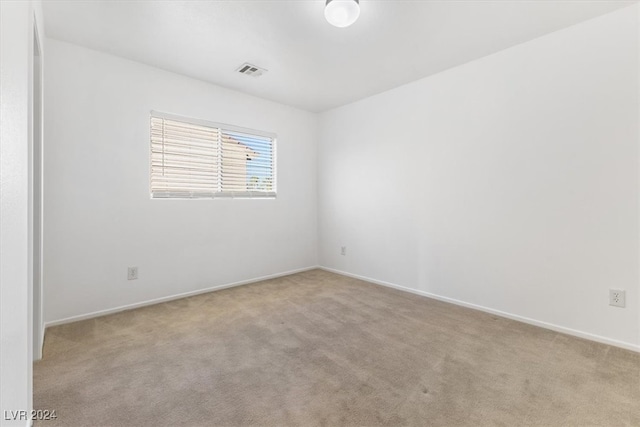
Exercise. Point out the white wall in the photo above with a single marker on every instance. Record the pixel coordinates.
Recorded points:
(509, 183)
(99, 218)
(17, 22)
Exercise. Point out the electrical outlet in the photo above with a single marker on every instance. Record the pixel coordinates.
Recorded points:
(617, 297)
(343, 250)
(132, 273)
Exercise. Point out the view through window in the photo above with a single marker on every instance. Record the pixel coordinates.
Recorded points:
(198, 159)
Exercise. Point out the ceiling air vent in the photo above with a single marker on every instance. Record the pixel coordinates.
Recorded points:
(251, 70)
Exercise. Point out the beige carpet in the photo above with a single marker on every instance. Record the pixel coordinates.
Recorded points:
(318, 349)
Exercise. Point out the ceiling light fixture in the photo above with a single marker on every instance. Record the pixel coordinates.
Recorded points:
(342, 13)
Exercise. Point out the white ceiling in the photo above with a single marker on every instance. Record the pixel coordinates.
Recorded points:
(311, 64)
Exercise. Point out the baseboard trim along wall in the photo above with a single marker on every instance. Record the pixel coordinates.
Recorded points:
(171, 298)
(551, 326)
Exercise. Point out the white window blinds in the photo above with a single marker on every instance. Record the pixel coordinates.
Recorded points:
(192, 159)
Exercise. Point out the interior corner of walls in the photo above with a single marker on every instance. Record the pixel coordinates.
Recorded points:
(39, 26)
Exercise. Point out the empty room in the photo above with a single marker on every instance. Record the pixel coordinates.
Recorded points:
(319, 213)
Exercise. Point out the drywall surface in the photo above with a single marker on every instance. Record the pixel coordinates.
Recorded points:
(99, 218)
(509, 183)
(16, 349)
(17, 23)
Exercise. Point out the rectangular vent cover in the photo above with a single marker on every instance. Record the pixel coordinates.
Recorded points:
(251, 70)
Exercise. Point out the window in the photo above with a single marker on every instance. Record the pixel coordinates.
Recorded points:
(197, 159)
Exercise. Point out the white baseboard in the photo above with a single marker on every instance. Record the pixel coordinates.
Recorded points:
(551, 326)
(170, 298)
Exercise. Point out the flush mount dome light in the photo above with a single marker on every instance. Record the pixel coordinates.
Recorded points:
(342, 13)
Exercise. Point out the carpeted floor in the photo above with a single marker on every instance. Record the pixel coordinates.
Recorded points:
(319, 349)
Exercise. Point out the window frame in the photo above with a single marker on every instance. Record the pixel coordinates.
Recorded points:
(222, 127)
